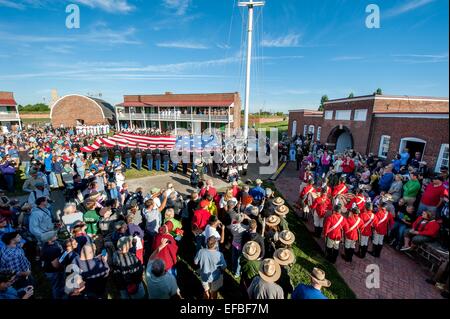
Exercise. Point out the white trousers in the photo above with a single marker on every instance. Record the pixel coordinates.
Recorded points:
(364, 241)
(350, 243)
(377, 239)
(318, 222)
(333, 243)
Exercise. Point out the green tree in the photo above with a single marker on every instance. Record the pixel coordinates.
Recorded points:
(322, 101)
(34, 108)
(351, 95)
(378, 92)
(279, 114)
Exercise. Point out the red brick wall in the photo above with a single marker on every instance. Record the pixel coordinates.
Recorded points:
(434, 131)
(34, 115)
(360, 130)
(410, 106)
(71, 108)
(303, 120)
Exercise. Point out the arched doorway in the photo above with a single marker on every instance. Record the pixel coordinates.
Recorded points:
(340, 139)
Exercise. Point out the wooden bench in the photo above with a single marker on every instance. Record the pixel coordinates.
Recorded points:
(434, 254)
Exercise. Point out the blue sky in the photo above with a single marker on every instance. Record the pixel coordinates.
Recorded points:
(303, 49)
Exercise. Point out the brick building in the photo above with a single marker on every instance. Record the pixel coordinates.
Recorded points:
(380, 124)
(9, 114)
(73, 110)
(192, 112)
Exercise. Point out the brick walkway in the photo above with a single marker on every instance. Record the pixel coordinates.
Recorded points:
(401, 277)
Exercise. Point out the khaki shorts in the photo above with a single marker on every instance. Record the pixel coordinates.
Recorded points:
(213, 286)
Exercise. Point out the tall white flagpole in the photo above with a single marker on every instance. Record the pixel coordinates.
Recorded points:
(250, 4)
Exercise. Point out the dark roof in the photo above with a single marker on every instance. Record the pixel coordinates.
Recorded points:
(107, 108)
(171, 99)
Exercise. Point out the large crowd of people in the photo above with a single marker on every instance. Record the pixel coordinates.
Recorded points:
(354, 200)
(136, 237)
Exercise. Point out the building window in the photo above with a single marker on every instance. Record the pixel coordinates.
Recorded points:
(311, 130)
(328, 115)
(360, 115)
(343, 115)
(294, 128)
(385, 142)
(305, 130)
(443, 158)
(319, 132)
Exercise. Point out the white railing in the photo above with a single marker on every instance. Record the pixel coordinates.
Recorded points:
(173, 117)
(9, 116)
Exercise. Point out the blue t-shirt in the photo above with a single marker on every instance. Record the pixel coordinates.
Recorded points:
(211, 263)
(404, 158)
(307, 292)
(9, 293)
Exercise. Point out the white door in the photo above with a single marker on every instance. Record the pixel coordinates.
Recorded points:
(294, 128)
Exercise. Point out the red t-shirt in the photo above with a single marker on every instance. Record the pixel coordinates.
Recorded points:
(432, 195)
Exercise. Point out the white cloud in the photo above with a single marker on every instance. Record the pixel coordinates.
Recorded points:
(61, 49)
(179, 6)
(407, 7)
(112, 6)
(223, 46)
(98, 33)
(287, 41)
(347, 58)
(421, 58)
(11, 4)
(182, 45)
(129, 70)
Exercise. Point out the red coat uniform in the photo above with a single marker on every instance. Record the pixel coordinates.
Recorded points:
(385, 222)
(369, 220)
(340, 189)
(352, 226)
(321, 205)
(360, 202)
(305, 191)
(430, 228)
(331, 230)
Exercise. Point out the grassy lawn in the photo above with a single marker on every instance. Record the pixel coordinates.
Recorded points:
(133, 173)
(309, 255)
(281, 126)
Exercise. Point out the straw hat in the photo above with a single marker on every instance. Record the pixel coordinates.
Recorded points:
(272, 220)
(282, 210)
(269, 270)
(278, 201)
(284, 256)
(387, 198)
(287, 237)
(251, 250)
(318, 276)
